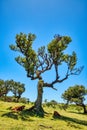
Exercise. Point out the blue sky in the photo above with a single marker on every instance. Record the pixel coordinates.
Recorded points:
(45, 18)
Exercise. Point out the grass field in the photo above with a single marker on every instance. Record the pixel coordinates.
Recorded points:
(69, 120)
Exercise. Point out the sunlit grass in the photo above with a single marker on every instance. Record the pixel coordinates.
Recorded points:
(69, 120)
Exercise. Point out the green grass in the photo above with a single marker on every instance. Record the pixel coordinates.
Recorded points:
(69, 120)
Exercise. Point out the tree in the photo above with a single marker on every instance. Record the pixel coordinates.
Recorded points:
(76, 94)
(2, 92)
(4, 88)
(21, 89)
(52, 103)
(37, 63)
(7, 87)
(17, 88)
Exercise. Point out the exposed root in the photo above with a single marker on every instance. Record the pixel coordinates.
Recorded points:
(36, 111)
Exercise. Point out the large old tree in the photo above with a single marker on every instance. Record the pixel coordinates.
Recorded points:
(37, 63)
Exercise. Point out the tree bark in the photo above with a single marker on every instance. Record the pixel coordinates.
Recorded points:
(84, 107)
(38, 104)
(37, 108)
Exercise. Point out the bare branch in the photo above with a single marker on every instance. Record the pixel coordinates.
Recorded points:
(56, 70)
(57, 80)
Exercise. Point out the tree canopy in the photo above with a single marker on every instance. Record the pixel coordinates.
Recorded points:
(16, 88)
(36, 63)
(76, 94)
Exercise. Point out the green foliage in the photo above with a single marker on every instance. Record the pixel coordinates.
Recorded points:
(1, 87)
(71, 60)
(24, 100)
(52, 104)
(24, 45)
(44, 60)
(17, 89)
(75, 94)
(58, 44)
(56, 48)
(9, 85)
(5, 87)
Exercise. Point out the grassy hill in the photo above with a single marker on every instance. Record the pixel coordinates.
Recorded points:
(69, 120)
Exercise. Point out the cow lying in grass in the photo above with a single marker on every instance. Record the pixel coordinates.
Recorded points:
(18, 108)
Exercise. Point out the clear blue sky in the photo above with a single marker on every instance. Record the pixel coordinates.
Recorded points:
(44, 18)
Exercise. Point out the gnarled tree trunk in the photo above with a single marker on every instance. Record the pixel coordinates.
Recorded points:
(38, 103)
(37, 108)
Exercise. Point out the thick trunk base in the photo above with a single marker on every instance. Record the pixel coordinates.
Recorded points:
(37, 108)
(84, 108)
(85, 112)
(34, 111)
